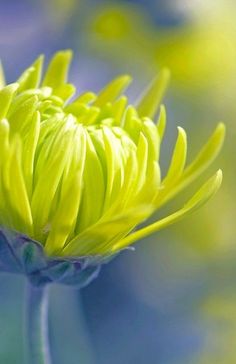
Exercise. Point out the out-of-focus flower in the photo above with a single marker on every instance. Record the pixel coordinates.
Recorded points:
(192, 50)
(78, 177)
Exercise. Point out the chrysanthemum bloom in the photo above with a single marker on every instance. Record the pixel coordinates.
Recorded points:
(77, 178)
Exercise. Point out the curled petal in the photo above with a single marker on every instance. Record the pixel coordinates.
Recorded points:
(200, 198)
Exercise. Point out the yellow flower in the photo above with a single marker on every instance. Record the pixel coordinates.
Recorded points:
(79, 176)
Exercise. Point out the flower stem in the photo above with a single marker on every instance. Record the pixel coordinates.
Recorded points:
(37, 325)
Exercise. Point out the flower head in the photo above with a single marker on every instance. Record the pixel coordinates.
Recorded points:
(79, 176)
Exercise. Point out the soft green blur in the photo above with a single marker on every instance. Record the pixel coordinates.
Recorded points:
(200, 53)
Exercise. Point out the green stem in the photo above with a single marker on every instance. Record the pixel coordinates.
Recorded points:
(38, 350)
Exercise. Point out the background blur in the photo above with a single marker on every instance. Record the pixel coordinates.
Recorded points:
(174, 300)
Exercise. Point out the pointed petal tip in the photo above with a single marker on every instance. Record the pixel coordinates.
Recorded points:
(208, 190)
(40, 58)
(219, 132)
(218, 177)
(150, 100)
(165, 73)
(65, 53)
(162, 109)
(221, 128)
(112, 90)
(181, 130)
(124, 79)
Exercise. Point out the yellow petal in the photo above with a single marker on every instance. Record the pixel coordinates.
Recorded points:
(201, 197)
(112, 90)
(150, 101)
